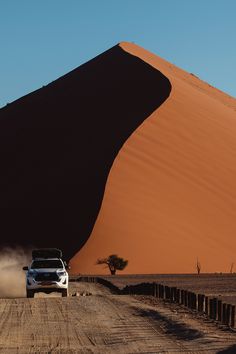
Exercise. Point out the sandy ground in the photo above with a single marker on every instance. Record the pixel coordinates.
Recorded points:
(213, 285)
(104, 323)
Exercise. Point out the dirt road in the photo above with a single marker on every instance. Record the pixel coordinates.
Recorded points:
(103, 323)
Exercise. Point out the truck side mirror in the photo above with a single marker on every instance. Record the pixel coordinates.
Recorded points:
(25, 268)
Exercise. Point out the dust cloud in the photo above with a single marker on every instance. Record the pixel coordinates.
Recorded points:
(12, 281)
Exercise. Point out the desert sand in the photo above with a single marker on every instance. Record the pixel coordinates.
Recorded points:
(170, 197)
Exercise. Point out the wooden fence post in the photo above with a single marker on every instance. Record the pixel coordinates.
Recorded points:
(232, 321)
(163, 292)
(188, 295)
(171, 294)
(215, 309)
(200, 302)
(224, 313)
(228, 313)
(178, 296)
(194, 301)
(189, 299)
(174, 294)
(157, 290)
(185, 298)
(160, 291)
(199, 297)
(154, 289)
(203, 302)
(167, 292)
(212, 309)
(219, 312)
(182, 297)
(206, 307)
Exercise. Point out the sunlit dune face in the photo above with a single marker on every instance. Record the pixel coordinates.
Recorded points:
(170, 198)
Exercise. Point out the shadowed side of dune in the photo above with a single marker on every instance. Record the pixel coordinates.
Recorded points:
(58, 144)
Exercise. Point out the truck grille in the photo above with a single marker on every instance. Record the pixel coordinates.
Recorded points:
(46, 277)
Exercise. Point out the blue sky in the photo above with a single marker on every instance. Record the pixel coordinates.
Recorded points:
(42, 40)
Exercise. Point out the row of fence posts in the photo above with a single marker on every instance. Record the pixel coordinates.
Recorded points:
(213, 308)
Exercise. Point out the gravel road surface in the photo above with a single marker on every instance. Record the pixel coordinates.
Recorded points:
(103, 323)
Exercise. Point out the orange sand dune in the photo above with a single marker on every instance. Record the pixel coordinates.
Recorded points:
(57, 146)
(171, 193)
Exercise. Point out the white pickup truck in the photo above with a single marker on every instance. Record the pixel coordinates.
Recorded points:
(47, 273)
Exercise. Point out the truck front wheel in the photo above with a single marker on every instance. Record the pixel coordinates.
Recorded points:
(30, 293)
(64, 292)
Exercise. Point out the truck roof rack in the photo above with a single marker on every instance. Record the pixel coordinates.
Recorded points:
(46, 253)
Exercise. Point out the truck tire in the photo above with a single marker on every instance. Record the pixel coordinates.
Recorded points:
(64, 292)
(30, 293)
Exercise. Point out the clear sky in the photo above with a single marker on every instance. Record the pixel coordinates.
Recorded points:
(44, 39)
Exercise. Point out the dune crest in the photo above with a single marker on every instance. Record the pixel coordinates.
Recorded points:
(171, 193)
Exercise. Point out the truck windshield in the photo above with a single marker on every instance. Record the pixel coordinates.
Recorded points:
(55, 263)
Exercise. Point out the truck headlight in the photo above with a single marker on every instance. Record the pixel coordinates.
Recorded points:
(32, 273)
(61, 274)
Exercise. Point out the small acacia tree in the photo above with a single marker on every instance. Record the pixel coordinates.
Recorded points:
(113, 262)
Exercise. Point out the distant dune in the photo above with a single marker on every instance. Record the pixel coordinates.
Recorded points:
(57, 146)
(171, 193)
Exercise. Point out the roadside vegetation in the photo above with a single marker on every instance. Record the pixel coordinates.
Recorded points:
(113, 262)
